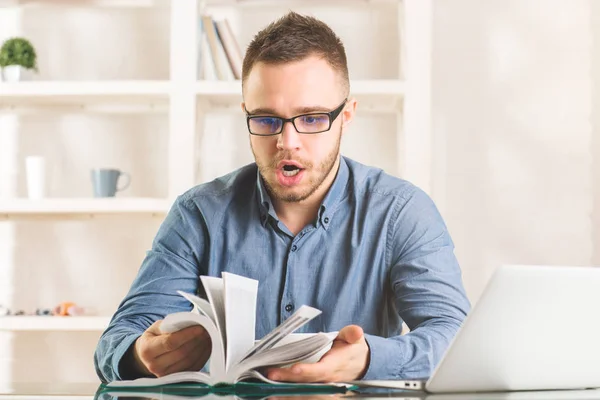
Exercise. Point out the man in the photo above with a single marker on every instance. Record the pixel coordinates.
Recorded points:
(311, 226)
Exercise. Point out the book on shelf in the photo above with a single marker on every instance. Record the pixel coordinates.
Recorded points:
(229, 317)
(219, 54)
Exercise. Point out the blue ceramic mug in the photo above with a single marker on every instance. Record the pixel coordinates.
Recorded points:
(105, 181)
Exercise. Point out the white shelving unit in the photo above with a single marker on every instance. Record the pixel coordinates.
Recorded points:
(399, 99)
(129, 97)
(22, 208)
(52, 323)
(379, 95)
(51, 92)
(375, 87)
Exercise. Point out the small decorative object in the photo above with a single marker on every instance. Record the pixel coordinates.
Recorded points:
(104, 181)
(15, 54)
(20, 312)
(35, 167)
(43, 311)
(4, 311)
(67, 308)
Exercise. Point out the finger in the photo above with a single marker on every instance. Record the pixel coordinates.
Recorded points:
(327, 369)
(156, 346)
(172, 341)
(322, 370)
(166, 360)
(154, 329)
(202, 358)
(190, 359)
(350, 334)
(317, 372)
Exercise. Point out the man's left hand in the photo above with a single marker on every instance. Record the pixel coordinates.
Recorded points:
(347, 360)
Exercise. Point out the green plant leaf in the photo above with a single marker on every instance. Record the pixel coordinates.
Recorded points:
(18, 51)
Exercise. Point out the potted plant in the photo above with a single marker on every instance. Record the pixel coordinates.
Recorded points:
(15, 54)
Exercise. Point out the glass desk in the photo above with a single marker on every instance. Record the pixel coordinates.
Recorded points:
(89, 391)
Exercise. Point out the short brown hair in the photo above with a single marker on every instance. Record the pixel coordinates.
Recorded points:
(294, 37)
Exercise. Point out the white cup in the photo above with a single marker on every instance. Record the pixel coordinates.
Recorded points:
(36, 177)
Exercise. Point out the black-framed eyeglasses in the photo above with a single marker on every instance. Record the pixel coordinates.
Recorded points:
(315, 122)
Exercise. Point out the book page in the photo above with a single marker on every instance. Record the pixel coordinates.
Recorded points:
(177, 377)
(216, 297)
(201, 305)
(295, 337)
(240, 316)
(283, 355)
(295, 321)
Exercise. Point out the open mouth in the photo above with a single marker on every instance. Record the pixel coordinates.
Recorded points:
(290, 170)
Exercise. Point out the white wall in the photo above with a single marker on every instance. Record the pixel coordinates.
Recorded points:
(512, 103)
(595, 145)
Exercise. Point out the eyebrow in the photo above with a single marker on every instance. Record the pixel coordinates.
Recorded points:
(297, 111)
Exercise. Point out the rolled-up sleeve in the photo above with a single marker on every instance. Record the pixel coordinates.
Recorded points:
(172, 264)
(426, 282)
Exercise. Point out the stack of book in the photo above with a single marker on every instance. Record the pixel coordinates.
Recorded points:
(219, 55)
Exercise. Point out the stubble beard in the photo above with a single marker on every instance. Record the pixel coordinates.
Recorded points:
(314, 183)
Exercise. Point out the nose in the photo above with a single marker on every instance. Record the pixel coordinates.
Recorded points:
(289, 138)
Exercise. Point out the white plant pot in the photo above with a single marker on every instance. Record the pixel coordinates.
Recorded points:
(12, 73)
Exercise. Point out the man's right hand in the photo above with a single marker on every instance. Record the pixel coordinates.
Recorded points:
(159, 354)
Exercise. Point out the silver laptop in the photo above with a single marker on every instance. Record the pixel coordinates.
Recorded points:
(534, 328)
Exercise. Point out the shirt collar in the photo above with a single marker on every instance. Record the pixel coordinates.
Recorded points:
(328, 206)
(266, 206)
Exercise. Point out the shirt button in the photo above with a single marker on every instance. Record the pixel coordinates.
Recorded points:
(294, 248)
(289, 307)
(326, 220)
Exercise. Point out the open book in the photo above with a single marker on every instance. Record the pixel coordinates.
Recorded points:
(229, 317)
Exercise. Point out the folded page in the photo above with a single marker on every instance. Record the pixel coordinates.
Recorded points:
(283, 355)
(201, 305)
(215, 292)
(177, 377)
(295, 337)
(295, 321)
(240, 316)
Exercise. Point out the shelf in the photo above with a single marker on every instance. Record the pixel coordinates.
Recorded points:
(114, 96)
(84, 94)
(82, 3)
(19, 208)
(376, 93)
(51, 323)
(288, 3)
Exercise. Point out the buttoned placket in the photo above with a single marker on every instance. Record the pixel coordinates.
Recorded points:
(288, 304)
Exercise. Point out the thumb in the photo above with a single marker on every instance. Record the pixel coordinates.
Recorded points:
(350, 334)
(154, 329)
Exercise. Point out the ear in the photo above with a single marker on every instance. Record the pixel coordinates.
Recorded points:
(243, 105)
(348, 112)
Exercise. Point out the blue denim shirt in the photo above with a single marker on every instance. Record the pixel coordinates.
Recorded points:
(378, 253)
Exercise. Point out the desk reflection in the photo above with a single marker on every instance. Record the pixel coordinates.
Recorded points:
(375, 394)
(90, 391)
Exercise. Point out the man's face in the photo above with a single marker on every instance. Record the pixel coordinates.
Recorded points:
(295, 165)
